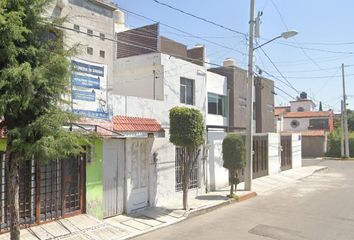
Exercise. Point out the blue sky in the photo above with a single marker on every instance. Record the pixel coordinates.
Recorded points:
(312, 62)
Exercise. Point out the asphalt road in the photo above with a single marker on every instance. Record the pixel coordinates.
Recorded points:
(319, 207)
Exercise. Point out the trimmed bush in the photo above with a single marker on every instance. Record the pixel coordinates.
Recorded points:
(186, 130)
(234, 156)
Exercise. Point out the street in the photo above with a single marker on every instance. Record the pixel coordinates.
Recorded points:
(318, 207)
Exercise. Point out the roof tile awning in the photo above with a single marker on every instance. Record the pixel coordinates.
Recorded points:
(136, 124)
(307, 114)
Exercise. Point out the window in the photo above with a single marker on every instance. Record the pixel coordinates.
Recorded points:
(319, 124)
(187, 91)
(181, 154)
(102, 36)
(77, 28)
(90, 32)
(90, 50)
(102, 54)
(294, 123)
(300, 109)
(217, 104)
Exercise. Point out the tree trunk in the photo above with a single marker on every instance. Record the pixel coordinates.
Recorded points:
(186, 173)
(236, 177)
(12, 168)
(231, 177)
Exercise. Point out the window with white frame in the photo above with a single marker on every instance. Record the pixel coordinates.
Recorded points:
(187, 91)
(217, 104)
(181, 157)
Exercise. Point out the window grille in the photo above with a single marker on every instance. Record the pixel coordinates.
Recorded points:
(181, 157)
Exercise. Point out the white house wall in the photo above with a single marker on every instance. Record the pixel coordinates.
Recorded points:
(304, 124)
(274, 159)
(306, 105)
(218, 176)
(296, 150)
(133, 84)
(139, 76)
(216, 84)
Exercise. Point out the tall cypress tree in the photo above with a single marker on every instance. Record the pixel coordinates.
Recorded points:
(34, 76)
(320, 107)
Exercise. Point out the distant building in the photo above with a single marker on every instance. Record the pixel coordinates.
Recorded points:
(301, 117)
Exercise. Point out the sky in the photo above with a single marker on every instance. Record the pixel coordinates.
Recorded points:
(310, 62)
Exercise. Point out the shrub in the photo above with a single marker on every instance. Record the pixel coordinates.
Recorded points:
(234, 156)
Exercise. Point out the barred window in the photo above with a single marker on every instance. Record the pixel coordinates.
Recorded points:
(181, 156)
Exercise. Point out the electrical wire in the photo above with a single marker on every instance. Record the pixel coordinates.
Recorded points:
(182, 31)
(200, 18)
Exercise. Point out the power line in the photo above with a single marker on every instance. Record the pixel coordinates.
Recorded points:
(182, 31)
(286, 80)
(200, 18)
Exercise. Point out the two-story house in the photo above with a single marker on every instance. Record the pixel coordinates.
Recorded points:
(301, 116)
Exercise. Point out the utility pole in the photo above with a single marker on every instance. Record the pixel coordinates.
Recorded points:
(342, 130)
(345, 117)
(249, 134)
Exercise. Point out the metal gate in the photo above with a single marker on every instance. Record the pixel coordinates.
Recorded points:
(286, 158)
(46, 191)
(113, 180)
(260, 157)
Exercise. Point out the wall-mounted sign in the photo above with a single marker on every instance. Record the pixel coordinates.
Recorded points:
(89, 89)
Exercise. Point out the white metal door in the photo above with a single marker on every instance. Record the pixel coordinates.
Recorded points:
(139, 174)
(113, 177)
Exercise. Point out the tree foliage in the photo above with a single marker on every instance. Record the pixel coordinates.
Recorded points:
(234, 156)
(34, 76)
(187, 130)
(186, 127)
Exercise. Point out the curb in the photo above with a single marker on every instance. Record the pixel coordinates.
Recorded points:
(322, 169)
(206, 209)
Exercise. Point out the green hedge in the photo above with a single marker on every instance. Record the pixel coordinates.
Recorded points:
(334, 145)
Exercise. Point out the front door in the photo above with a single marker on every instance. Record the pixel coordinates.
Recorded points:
(139, 174)
(113, 177)
(73, 186)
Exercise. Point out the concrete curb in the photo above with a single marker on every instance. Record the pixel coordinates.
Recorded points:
(206, 209)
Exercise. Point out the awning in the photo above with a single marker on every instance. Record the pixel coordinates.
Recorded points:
(137, 126)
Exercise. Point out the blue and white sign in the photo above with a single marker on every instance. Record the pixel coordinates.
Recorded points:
(89, 89)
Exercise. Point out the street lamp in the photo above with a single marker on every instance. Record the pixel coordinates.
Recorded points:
(249, 133)
(285, 35)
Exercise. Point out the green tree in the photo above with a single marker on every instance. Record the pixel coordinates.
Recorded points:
(234, 156)
(34, 75)
(187, 130)
(320, 107)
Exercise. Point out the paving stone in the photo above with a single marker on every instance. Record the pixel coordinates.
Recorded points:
(75, 237)
(119, 218)
(69, 226)
(106, 233)
(84, 221)
(55, 229)
(40, 232)
(137, 225)
(122, 227)
(159, 216)
(149, 221)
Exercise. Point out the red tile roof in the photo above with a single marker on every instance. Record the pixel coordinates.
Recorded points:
(136, 124)
(307, 114)
(279, 110)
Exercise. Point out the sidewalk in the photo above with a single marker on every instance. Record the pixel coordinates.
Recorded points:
(85, 227)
